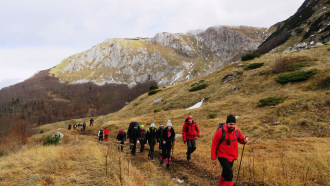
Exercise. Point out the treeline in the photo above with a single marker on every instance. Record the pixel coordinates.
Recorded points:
(43, 99)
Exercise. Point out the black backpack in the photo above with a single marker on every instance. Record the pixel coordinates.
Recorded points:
(220, 126)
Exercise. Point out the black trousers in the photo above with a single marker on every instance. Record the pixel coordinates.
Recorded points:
(152, 146)
(100, 138)
(122, 144)
(227, 169)
(191, 144)
(142, 143)
(167, 150)
(160, 144)
(134, 146)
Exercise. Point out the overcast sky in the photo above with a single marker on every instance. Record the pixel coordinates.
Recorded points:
(38, 34)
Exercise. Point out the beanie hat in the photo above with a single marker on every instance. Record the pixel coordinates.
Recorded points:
(231, 119)
(141, 126)
(152, 125)
(169, 124)
(190, 117)
(136, 123)
(161, 125)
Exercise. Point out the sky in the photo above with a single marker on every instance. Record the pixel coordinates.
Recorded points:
(38, 34)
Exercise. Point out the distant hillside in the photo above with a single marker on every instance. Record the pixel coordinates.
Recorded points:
(309, 25)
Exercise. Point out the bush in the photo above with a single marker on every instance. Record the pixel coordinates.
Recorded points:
(295, 76)
(153, 87)
(254, 66)
(198, 87)
(271, 101)
(152, 92)
(41, 131)
(157, 110)
(325, 83)
(212, 115)
(287, 64)
(250, 56)
(3, 153)
(52, 140)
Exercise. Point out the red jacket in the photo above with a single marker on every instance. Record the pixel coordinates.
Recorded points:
(230, 152)
(190, 131)
(106, 131)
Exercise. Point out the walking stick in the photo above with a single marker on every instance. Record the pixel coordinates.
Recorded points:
(240, 164)
(172, 148)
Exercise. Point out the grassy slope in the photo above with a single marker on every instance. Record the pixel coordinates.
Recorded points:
(293, 152)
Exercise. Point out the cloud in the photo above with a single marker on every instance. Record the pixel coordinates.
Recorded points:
(37, 34)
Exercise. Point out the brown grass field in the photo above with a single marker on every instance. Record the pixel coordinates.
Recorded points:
(288, 142)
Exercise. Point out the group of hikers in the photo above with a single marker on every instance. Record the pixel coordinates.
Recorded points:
(82, 125)
(224, 143)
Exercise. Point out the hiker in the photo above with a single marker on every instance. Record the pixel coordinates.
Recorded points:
(134, 135)
(84, 126)
(160, 136)
(75, 126)
(106, 133)
(190, 132)
(91, 122)
(100, 134)
(168, 142)
(69, 127)
(151, 138)
(224, 146)
(129, 134)
(142, 137)
(121, 136)
(78, 126)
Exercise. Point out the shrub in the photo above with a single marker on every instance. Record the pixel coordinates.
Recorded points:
(157, 110)
(198, 87)
(325, 83)
(3, 153)
(152, 92)
(52, 140)
(250, 56)
(254, 66)
(212, 115)
(287, 64)
(271, 101)
(295, 76)
(136, 104)
(153, 87)
(41, 131)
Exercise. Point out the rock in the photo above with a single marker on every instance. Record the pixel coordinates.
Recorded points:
(158, 100)
(24, 147)
(229, 77)
(233, 88)
(178, 135)
(58, 134)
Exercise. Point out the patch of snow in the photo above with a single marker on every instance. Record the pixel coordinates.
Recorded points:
(197, 105)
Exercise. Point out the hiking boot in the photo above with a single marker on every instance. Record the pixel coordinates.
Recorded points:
(168, 166)
(188, 157)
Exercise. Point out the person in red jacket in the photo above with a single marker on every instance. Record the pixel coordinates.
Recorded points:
(226, 149)
(190, 132)
(106, 133)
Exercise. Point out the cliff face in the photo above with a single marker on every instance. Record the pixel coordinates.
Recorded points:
(166, 58)
(308, 26)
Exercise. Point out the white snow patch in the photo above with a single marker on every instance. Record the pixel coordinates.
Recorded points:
(197, 105)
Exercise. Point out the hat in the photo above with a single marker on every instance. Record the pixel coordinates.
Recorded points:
(190, 117)
(161, 125)
(136, 123)
(152, 125)
(231, 119)
(141, 126)
(169, 124)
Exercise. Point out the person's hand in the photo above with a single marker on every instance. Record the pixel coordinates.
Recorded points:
(197, 137)
(164, 142)
(173, 141)
(214, 162)
(245, 140)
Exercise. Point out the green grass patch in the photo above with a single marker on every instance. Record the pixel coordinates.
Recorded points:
(3, 153)
(153, 87)
(198, 87)
(295, 67)
(295, 76)
(157, 110)
(152, 92)
(271, 101)
(254, 66)
(325, 83)
(250, 56)
(52, 140)
(212, 115)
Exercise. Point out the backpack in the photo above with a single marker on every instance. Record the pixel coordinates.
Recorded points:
(187, 130)
(220, 126)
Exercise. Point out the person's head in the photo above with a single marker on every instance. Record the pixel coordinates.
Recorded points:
(231, 122)
(161, 126)
(190, 119)
(152, 125)
(142, 127)
(136, 123)
(169, 124)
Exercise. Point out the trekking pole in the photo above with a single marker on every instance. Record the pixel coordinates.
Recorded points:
(172, 148)
(240, 164)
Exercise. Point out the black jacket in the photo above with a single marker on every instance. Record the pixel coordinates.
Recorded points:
(160, 134)
(168, 135)
(130, 129)
(121, 136)
(152, 135)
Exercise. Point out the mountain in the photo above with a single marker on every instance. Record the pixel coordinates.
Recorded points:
(113, 73)
(166, 58)
(310, 25)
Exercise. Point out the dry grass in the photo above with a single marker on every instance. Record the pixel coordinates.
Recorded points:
(288, 142)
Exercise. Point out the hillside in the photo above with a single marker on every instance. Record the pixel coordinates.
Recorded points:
(288, 141)
(307, 27)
